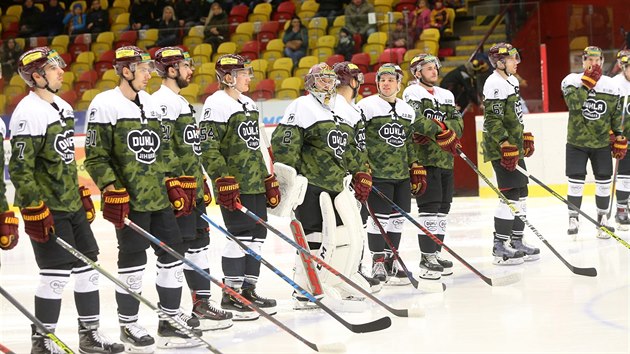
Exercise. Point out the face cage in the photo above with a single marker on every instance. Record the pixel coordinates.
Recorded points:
(319, 77)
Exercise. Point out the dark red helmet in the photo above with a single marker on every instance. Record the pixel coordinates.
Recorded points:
(623, 57)
(421, 60)
(167, 57)
(228, 64)
(34, 60)
(346, 71)
(391, 69)
(592, 51)
(129, 56)
(500, 51)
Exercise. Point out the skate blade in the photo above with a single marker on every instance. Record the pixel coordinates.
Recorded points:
(510, 261)
(530, 258)
(393, 281)
(345, 305)
(213, 325)
(130, 348)
(177, 342)
(376, 288)
(245, 316)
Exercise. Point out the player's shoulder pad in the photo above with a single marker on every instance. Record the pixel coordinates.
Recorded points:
(102, 109)
(150, 105)
(444, 96)
(31, 116)
(215, 108)
(496, 88)
(573, 79)
(346, 111)
(297, 112)
(404, 110)
(170, 103)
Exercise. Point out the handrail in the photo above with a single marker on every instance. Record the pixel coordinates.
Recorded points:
(494, 25)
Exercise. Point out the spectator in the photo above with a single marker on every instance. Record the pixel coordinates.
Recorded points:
(295, 40)
(188, 12)
(168, 29)
(439, 17)
(30, 20)
(357, 18)
(54, 15)
(421, 18)
(75, 20)
(462, 81)
(330, 9)
(97, 19)
(345, 45)
(9, 56)
(399, 38)
(217, 29)
(143, 14)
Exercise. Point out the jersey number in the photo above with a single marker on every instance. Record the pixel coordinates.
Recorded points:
(287, 137)
(90, 137)
(21, 146)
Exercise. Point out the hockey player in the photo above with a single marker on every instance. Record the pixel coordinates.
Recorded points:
(505, 145)
(349, 80)
(175, 67)
(124, 156)
(315, 140)
(9, 235)
(230, 145)
(437, 125)
(44, 173)
(594, 111)
(623, 177)
(393, 162)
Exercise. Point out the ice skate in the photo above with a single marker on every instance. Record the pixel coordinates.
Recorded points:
(430, 267)
(602, 219)
(92, 341)
(209, 317)
(172, 336)
(41, 344)
(239, 311)
(574, 225)
(378, 267)
(531, 253)
(396, 276)
(621, 217)
(375, 284)
(136, 339)
(269, 305)
(506, 255)
(445, 263)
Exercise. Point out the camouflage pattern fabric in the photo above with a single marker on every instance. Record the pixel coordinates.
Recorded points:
(624, 90)
(4, 206)
(592, 113)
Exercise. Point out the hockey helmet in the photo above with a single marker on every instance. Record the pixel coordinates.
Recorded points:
(321, 82)
(34, 61)
(346, 71)
(129, 57)
(169, 57)
(230, 64)
(421, 60)
(389, 69)
(623, 57)
(592, 51)
(500, 51)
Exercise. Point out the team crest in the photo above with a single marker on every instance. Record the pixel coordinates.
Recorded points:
(337, 141)
(393, 134)
(21, 125)
(64, 145)
(145, 144)
(191, 137)
(248, 132)
(163, 110)
(434, 114)
(92, 115)
(593, 109)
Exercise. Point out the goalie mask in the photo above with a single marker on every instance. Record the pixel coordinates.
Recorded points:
(321, 82)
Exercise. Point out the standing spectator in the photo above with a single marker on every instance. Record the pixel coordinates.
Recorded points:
(421, 18)
(30, 19)
(330, 9)
(357, 18)
(188, 12)
(143, 14)
(345, 46)
(54, 15)
(168, 30)
(97, 19)
(217, 29)
(439, 17)
(399, 38)
(9, 58)
(75, 20)
(295, 40)
(462, 80)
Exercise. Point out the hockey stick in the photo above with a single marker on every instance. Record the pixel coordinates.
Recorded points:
(334, 347)
(61, 242)
(572, 206)
(397, 312)
(614, 181)
(36, 322)
(589, 272)
(499, 281)
(5, 350)
(376, 325)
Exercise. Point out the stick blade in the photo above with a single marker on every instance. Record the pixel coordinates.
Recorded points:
(588, 272)
(506, 279)
(331, 348)
(377, 325)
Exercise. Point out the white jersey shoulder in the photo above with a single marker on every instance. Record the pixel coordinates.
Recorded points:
(33, 115)
(374, 107)
(415, 92)
(498, 88)
(348, 112)
(439, 95)
(220, 107)
(605, 84)
(111, 105)
(3, 129)
(623, 84)
(172, 105)
(305, 111)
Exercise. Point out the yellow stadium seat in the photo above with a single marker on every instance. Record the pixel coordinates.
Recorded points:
(122, 19)
(147, 38)
(13, 14)
(16, 80)
(12, 91)
(411, 53)
(260, 65)
(290, 88)
(323, 53)
(60, 43)
(110, 74)
(261, 13)
(243, 33)
(432, 34)
(281, 70)
(3, 103)
(224, 48)
(310, 5)
(83, 63)
(122, 3)
(202, 53)
(305, 64)
(104, 85)
(383, 6)
(388, 23)
(373, 50)
(451, 21)
(306, 15)
(190, 92)
(326, 41)
(275, 44)
(429, 47)
(68, 81)
(377, 38)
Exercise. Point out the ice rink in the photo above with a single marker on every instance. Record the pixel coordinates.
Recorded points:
(551, 310)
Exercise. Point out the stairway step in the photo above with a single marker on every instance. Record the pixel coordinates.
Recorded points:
(484, 29)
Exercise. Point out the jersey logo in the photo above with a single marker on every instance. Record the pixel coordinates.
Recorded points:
(518, 109)
(627, 108)
(248, 132)
(145, 144)
(593, 109)
(359, 138)
(393, 134)
(431, 225)
(92, 114)
(435, 114)
(337, 141)
(191, 137)
(64, 145)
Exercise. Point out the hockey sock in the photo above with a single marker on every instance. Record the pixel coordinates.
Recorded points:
(574, 194)
(623, 191)
(48, 295)
(199, 285)
(86, 296)
(168, 283)
(503, 221)
(130, 272)
(233, 263)
(602, 194)
(519, 225)
(252, 265)
(441, 229)
(376, 242)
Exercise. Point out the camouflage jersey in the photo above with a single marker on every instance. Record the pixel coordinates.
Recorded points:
(431, 107)
(592, 113)
(503, 115)
(309, 139)
(351, 120)
(4, 206)
(624, 90)
(123, 146)
(230, 141)
(42, 164)
(388, 137)
(180, 136)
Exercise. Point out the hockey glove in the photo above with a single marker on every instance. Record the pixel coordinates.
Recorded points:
(116, 207)
(272, 193)
(591, 76)
(420, 139)
(88, 205)
(229, 192)
(509, 156)
(189, 185)
(418, 178)
(8, 230)
(528, 144)
(37, 222)
(448, 141)
(178, 198)
(207, 196)
(620, 147)
(362, 184)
